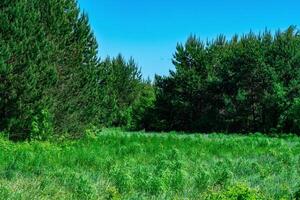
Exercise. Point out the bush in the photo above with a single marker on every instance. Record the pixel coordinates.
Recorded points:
(236, 192)
(42, 126)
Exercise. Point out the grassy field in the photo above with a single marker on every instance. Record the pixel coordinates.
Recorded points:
(115, 165)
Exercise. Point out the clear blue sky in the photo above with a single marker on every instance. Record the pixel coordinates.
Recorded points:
(148, 30)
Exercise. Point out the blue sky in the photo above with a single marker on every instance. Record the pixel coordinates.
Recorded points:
(148, 30)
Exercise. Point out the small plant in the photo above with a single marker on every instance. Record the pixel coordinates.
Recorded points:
(236, 192)
(42, 127)
(4, 193)
(92, 132)
(113, 193)
(202, 180)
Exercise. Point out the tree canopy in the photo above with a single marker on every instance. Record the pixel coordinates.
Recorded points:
(245, 84)
(51, 79)
(53, 82)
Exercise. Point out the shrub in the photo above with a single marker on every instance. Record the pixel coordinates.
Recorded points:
(42, 126)
(236, 192)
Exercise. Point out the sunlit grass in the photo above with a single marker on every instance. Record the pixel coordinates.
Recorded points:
(112, 164)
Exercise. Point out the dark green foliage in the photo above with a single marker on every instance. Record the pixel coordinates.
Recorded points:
(26, 71)
(124, 96)
(77, 90)
(52, 81)
(48, 64)
(142, 107)
(245, 84)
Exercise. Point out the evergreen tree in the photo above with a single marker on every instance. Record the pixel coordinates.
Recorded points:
(77, 90)
(120, 87)
(49, 68)
(26, 72)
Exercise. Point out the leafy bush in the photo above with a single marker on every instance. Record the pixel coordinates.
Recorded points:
(42, 126)
(237, 192)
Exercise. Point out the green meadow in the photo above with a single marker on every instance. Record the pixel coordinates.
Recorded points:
(62, 97)
(112, 164)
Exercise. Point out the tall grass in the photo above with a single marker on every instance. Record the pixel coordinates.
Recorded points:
(116, 165)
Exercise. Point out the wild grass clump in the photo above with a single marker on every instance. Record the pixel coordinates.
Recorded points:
(238, 192)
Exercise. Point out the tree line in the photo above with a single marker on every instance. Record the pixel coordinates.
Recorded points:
(51, 78)
(246, 84)
(52, 81)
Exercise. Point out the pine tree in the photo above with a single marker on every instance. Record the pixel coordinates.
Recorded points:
(121, 84)
(49, 68)
(247, 84)
(26, 72)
